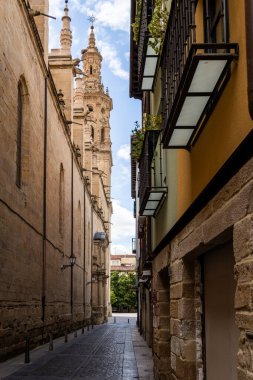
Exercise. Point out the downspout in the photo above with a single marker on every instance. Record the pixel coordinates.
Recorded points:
(84, 251)
(91, 261)
(249, 48)
(72, 234)
(44, 233)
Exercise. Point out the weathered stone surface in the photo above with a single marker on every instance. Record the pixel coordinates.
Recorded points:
(244, 271)
(186, 309)
(244, 297)
(244, 320)
(181, 290)
(24, 285)
(243, 238)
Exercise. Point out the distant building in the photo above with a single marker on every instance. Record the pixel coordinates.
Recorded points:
(123, 263)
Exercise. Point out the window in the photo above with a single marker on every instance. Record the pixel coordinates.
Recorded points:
(79, 229)
(216, 21)
(90, 69)
(102, 135)
(61, 202)
(23, 134)
(115, 262)
(19, 136)
(92, 133)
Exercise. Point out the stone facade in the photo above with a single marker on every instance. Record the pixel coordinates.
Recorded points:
(227, 217)
(197, 245)
(48, 207)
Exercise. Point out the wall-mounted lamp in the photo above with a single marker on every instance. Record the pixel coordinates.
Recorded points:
(72, 261)
(99, 236)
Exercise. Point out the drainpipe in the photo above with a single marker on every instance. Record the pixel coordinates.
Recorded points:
(43, 295)
(249, 47)
(72, 234)
(91, 261)
(84, 250)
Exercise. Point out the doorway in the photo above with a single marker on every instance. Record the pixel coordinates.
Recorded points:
(221, 332)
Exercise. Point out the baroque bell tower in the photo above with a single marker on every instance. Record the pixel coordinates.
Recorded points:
(90, 95)
(91, 132)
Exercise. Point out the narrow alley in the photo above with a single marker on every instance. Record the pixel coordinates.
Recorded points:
(113, 351)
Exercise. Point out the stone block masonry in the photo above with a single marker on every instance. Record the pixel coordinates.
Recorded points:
(178, 336)
(50, 214)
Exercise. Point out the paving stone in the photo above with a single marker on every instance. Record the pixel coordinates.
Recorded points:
(107, 352)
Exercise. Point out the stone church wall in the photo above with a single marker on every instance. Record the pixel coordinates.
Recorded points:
(21, 209)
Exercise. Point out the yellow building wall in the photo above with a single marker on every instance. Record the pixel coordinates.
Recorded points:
(188, 173)
(230, 121)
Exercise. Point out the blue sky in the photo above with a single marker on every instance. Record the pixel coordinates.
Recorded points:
(112, 37)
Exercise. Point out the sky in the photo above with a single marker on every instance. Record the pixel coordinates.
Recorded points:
(112, 27)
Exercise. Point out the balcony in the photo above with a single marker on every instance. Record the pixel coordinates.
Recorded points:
(143, 57)
(147, 57)
(193, 77)
(134, 80)
(151, 197)
(133, 172)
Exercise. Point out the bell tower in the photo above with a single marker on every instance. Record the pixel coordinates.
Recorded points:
(96, 141)
(91, 132)
(92, 61)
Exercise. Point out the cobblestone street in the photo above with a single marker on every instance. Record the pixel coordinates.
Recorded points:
(111, 351)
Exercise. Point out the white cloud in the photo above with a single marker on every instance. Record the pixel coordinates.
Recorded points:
(123, 223)
(56, 8)
(110, 56)
(54, 39)
(123, 175)
(124, 152)
(127, 55)
(113, 14)
(118, 249)
(75, 38)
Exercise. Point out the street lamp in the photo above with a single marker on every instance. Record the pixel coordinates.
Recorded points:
(72, 261)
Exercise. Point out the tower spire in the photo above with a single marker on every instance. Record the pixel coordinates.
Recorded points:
(66, 34)
(92, 40)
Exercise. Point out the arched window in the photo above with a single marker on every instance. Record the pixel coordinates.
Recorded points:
(79, 229)
(92, 133)
(61, 202)
(102, 135)
(89, 250)
(90, 69)
(23, 134)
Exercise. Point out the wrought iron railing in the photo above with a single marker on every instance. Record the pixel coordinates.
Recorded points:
(146, 16)
(146, 157)
(179, 37)
(133, 170)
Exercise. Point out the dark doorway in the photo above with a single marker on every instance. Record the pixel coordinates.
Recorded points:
(221, 332)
